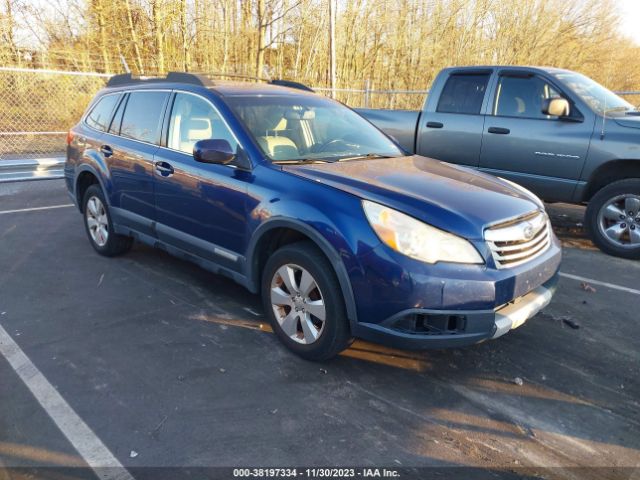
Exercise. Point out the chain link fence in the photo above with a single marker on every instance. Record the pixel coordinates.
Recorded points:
(37, 107)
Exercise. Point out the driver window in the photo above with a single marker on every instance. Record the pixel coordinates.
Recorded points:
(522, 97)
(194, 119)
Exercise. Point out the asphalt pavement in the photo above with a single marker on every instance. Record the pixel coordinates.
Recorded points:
(168, 365)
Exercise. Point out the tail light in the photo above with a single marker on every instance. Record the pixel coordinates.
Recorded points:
(69, 137)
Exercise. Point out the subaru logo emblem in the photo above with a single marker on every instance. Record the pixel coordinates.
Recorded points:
(528, 232)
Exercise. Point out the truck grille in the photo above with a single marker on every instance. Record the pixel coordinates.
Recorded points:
(519, 241)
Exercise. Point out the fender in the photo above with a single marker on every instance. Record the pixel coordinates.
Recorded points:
(94, 164)
(253, 283)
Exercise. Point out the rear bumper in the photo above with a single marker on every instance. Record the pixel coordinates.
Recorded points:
(476, 325)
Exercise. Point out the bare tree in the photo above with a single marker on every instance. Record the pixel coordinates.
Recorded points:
(134, 37)
(392, 44)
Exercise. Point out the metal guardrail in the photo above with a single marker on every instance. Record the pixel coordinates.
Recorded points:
(31, 169)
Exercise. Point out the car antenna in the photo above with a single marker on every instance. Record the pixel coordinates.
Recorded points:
(604, 113)
(125, 64)
(604, 118)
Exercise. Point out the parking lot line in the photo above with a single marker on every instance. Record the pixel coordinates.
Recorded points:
(602, 284)
(34, 209)
(83, 439)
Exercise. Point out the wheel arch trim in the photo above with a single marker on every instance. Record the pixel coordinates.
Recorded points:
(609, 172)
(320, 241)
(87, 168)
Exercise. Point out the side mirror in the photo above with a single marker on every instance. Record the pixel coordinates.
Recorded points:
(213, 151)
(557, 106)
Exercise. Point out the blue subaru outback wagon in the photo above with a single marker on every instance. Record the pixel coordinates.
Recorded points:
(297, 197)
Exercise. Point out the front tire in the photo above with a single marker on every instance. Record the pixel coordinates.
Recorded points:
(99, 227)
(613, 219)
(302, 298)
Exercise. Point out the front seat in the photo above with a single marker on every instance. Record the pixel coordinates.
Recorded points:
(279, 148)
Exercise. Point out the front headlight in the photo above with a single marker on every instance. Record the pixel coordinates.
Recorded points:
(417, 239)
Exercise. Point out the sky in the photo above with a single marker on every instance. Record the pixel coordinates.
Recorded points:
(630, 26)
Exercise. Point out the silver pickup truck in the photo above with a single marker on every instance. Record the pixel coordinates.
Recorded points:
(555, 132)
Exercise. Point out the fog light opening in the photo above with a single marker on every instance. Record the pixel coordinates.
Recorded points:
(427, 324)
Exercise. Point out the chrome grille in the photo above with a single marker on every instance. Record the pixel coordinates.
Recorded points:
(517, 242)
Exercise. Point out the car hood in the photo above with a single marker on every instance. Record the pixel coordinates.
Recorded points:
(453, 198)
(631, 121)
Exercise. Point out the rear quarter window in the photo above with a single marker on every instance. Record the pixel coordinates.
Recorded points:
(100, 115)
(142, 116)
(463, 94)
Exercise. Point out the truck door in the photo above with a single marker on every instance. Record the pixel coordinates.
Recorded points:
(541, 152)
(451, 129)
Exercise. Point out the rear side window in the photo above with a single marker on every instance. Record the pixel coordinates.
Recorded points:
(117, 118)
(142, 116)
(463, 94)
(100, 115)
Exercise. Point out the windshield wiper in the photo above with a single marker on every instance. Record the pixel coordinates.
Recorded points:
(366, 156)
(302, 161)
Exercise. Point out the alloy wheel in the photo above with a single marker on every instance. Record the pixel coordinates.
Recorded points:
(619, 221)
(97, 221)
(298, 304)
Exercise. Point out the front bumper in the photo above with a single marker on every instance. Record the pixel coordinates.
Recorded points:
(477, 325)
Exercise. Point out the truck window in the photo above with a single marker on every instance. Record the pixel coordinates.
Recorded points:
(142, 115)
(100, 115)
(463, 94)
(522, 97)
(194, 119)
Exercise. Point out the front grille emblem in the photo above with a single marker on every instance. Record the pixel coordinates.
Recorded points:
(517, 242)
(528, 232)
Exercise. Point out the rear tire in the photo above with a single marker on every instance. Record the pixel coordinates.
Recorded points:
(99, 227)
(303, 300)
(613, 218)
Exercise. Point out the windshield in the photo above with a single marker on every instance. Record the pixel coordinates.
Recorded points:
(309, 128)
(595, 95)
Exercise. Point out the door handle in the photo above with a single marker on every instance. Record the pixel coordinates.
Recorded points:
(499, 130)
(106, 150)
(163, 168)
(434, 125)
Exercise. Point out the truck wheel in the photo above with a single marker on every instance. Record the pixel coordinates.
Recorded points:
(97, 222)
(302, 298)
(613, 218)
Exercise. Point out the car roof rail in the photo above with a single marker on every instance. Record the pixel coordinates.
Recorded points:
(200, 79)
(277, 81)
(291, 84)
(178, 77)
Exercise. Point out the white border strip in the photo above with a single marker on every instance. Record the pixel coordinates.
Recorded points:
(35, 209)
(83, 439)
(602, 284)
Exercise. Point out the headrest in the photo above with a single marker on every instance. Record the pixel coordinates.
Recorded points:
(279, 148)
(198, 128)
